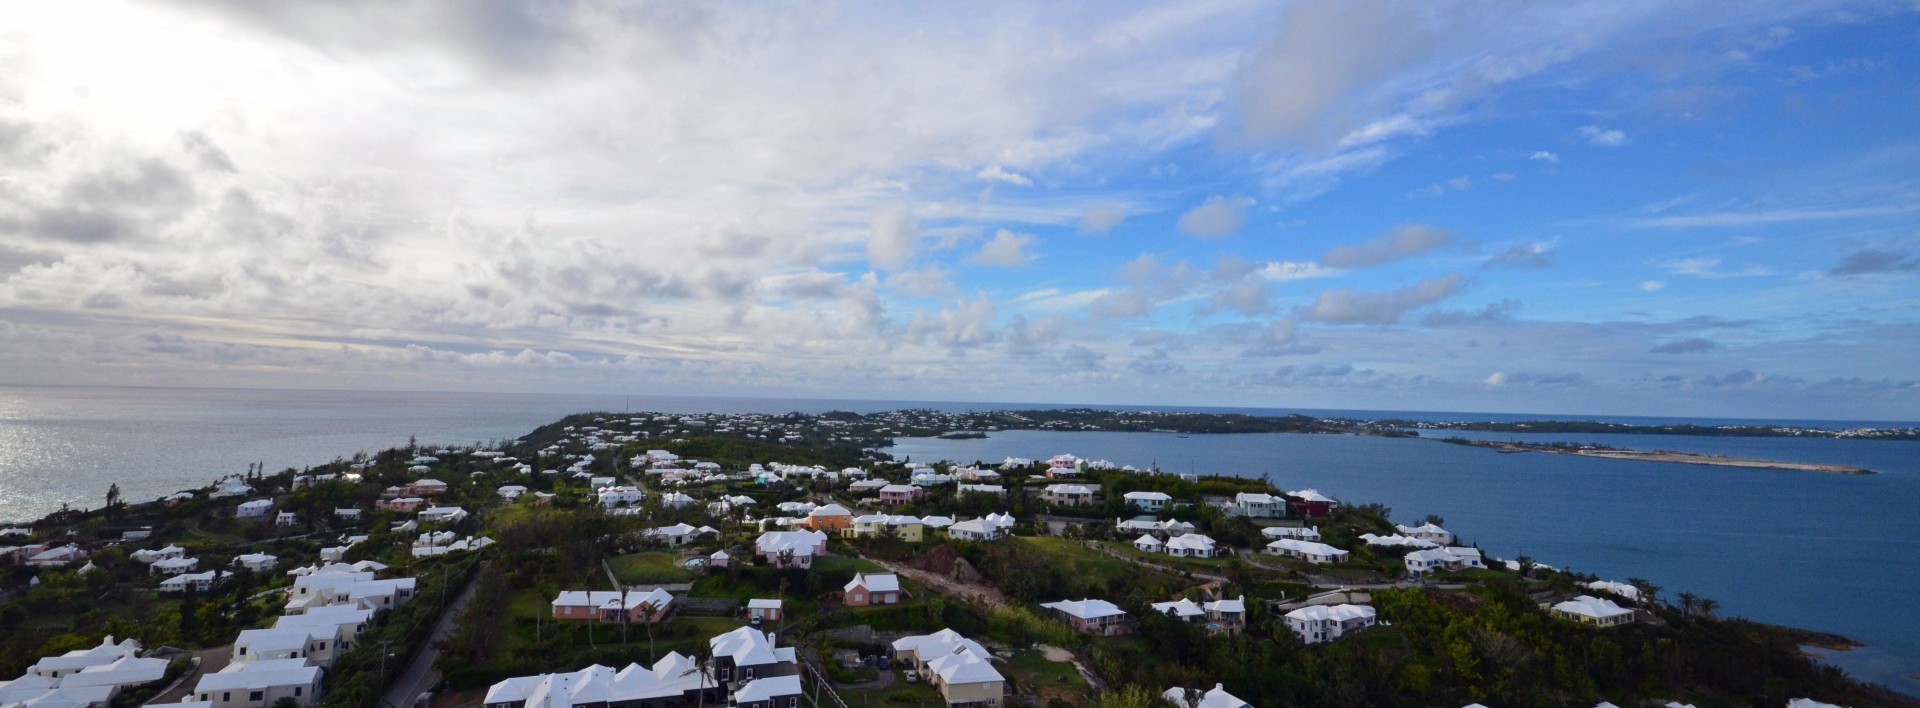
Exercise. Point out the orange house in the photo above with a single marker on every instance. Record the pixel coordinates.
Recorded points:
(830, 518)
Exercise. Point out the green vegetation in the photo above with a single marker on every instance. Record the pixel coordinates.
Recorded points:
(651, 568)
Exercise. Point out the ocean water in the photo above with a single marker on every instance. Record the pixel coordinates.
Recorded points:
(1828, 552)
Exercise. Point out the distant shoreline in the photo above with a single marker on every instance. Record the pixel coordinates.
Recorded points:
(1685, 458)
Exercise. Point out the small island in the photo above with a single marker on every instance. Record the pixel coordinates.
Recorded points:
(1685, 458)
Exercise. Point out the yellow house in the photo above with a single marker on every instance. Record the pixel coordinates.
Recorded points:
(905, 528)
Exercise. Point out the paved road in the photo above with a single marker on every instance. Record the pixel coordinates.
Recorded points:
(419, 675)
(211, 661)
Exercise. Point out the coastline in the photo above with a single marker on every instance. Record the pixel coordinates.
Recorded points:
(1671, 456)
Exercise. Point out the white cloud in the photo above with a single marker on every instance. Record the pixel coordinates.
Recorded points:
(1603, 137)
(1545, 156)
(1101, 218)
(994, 173)
(896, 238)
(1219, 217)
(1497, 379)
(1006, 250)
(1652, 286)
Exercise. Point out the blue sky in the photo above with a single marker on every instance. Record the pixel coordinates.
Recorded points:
(1661, 208)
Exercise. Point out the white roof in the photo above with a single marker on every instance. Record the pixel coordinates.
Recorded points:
(1149, 496)
(1147, 539)
(260, 674)
(1590, 606)
(875, 582)
(1310, 547)
(1336, 613)
(1238, 604)
(830, 510)
(1086, 609)
(746, 646)
(1215, 698)
(1622, 589)
(1069, 489)
(762, 689)
(1179, 608)
(1255, 498)
(1193, 541)
(962, 666)
(1311, 495)
(107, 652)
(896, 488)
(763, 604)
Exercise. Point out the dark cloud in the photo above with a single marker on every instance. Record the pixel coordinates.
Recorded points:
(1521, 255)
(1403, 242)
(1743, 377)
(1872, 260)
(1691, 345)
(211, 156)
(1351, 307)
(1080, 357)
(79, 225)
(506, 35)
(1494, 312)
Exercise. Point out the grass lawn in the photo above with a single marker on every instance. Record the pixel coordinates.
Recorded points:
(651, 568)
(1033, 675)
(1077, 560)
(845, 564)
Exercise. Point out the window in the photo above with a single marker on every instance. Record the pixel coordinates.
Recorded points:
(749, 673)
(726, 673)
(226, 695)
(296, 691)
(257, 696)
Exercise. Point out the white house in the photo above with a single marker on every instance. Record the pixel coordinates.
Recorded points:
(611, 497)
(173, 566)
(199, 582)
(765, 610)
(1149, 543)
(980, 529)
(148, 556)
(1097, 617)
(260, 683)
(1191, 545)
(1304, 533)
(1257, 505)
(674, 536)
(253, 509)
(256, 562)
(286, 518)
(317, 644)
(56, 557)
(1310, 551)
(1628, 592)
(1149, 501)
(1596, 611)
(1420, 563)
(511, 492)
(675, 500)
(441, 514)
(1067, 494)
(1215, 698)
(1315, 624)
(74, 661)
(1428, 532)
(1396, 540)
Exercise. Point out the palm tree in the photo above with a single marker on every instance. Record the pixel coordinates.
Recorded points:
(1649, 592)
(703, 663)
(1707, 605)
(1688, 603)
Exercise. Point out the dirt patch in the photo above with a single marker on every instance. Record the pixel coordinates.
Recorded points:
(948, 586)
(1053, 653)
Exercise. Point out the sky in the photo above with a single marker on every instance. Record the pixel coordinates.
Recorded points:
(1627, 207)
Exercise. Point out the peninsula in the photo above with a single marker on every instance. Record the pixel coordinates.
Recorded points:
(1685, 458)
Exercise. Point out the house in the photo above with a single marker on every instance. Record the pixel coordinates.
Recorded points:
(1396, 540)
(1150, 543)
(988, 489)
(676, 500)
(1064, 465)
(139, 534)
(1215, 698)
(1428, 532)
(674, 536)
(768, 692)
(347, 514)
(254, 684)
(75, 661)
(936, 523)
(864, 526)
(1226, 616)
(866, 589)
(986, 528)
(349, 620)
(900, 494)
(829, 517)
(868, 486)
(198, 582)
(1596, 611)
(613, 606)
(1191, 545)
(442, 514)
(254, 509)
(719, 559)
(1315, 624)
(148, 556)
(1304, 533)
(766, 611)
(173, 566)
(1182, 609)
(256, 562)
(1097, 617)
(613, 497)
(1311, 503)
(1257, 505)
(1623, 590)
(747, 654)
(1431, 560)
(404, 505)
(1149, 501)
(56, 557)
(905, 528)
(1067, 495)
(671, 681)
(959, 668)
(790, 549)
(286, 518)
(425, 487)
(230, 487)
(1310, 551)
(317, 644)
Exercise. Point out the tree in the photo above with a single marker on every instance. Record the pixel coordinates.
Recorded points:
(1707, 606)
(113, 499)
(1688, 603)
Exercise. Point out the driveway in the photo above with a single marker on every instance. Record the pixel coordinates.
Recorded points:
(209, 661)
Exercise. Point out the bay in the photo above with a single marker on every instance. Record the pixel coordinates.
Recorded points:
(1827, 552)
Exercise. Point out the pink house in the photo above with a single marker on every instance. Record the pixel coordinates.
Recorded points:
(900, 494)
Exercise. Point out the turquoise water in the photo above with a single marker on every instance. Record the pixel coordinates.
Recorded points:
(1827, 552)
